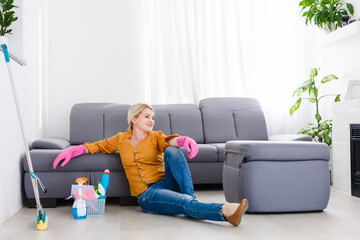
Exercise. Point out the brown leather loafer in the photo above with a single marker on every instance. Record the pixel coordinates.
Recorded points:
(235, 218)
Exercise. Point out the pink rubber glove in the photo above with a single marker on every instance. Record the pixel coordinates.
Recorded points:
(69, 154)
(189, 144)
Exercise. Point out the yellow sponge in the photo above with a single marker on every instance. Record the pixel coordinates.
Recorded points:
(41, 226)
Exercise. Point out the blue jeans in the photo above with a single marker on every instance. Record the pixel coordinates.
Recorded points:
(176, 194)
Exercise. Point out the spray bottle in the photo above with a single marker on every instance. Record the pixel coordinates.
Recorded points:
(104, 183)
(79, 209)
(99, 190)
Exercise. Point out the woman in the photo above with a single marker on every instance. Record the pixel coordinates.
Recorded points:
(157, 170)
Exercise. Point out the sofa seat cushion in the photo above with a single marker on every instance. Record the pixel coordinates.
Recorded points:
(220, 147)
(43, 159)
(207, 153)
(278, 150)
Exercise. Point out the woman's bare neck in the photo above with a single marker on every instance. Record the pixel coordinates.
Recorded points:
(138, 135)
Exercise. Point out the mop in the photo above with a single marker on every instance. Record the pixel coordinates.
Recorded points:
(42, 219)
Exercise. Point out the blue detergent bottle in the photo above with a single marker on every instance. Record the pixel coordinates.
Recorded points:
(79, 208)
(105, 182)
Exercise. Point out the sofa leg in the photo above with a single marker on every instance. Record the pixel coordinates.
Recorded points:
(45, 202)
(128, 201)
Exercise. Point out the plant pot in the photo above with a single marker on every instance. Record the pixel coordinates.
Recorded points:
(330, 27)
(3, 40)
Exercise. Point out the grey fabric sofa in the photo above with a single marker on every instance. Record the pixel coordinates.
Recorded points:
(212, 124)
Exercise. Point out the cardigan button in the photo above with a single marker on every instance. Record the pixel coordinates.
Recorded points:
(135, 152)
(138, 164)
(142, 175)
(145, 181)
(140, 170)
(136, 159)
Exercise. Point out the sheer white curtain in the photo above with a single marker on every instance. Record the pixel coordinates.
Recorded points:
(237, 48)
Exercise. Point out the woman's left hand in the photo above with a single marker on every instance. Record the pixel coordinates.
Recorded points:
(189, 144)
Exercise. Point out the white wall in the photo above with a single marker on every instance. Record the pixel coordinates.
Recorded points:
(11, 145)
(340, 56)
(95, 55)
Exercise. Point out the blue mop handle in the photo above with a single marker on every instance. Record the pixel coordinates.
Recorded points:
(6, 53)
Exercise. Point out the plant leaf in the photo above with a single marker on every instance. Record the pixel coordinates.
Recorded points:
(343, 12)
(314, 72)
(295, 106)
(304, 87)
(350, 7)
(312, 95)
(317, 116)
(1, 19)
(327, 140)
(8, 15)
(337, 99)
(8, 5)
(299, 90)
(328, 78)
(306, 3)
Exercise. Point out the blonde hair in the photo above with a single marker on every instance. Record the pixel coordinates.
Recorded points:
(135, 111)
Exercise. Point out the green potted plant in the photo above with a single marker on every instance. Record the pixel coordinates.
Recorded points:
(326, 14)
(322, 130)
(7, 16)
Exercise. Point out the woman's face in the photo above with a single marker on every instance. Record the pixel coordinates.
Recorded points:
(145, 121)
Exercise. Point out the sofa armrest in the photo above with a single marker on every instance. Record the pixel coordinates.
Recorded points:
(290, 137)
(233, 155)
(51, 143)
(246, 151)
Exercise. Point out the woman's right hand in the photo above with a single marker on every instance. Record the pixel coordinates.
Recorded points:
(69, 154)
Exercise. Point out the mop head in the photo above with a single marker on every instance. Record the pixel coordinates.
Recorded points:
(42, 222)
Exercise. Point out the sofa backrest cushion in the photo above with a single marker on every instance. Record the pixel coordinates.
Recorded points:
(226, 119)
(90, 122)
(182, 119)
